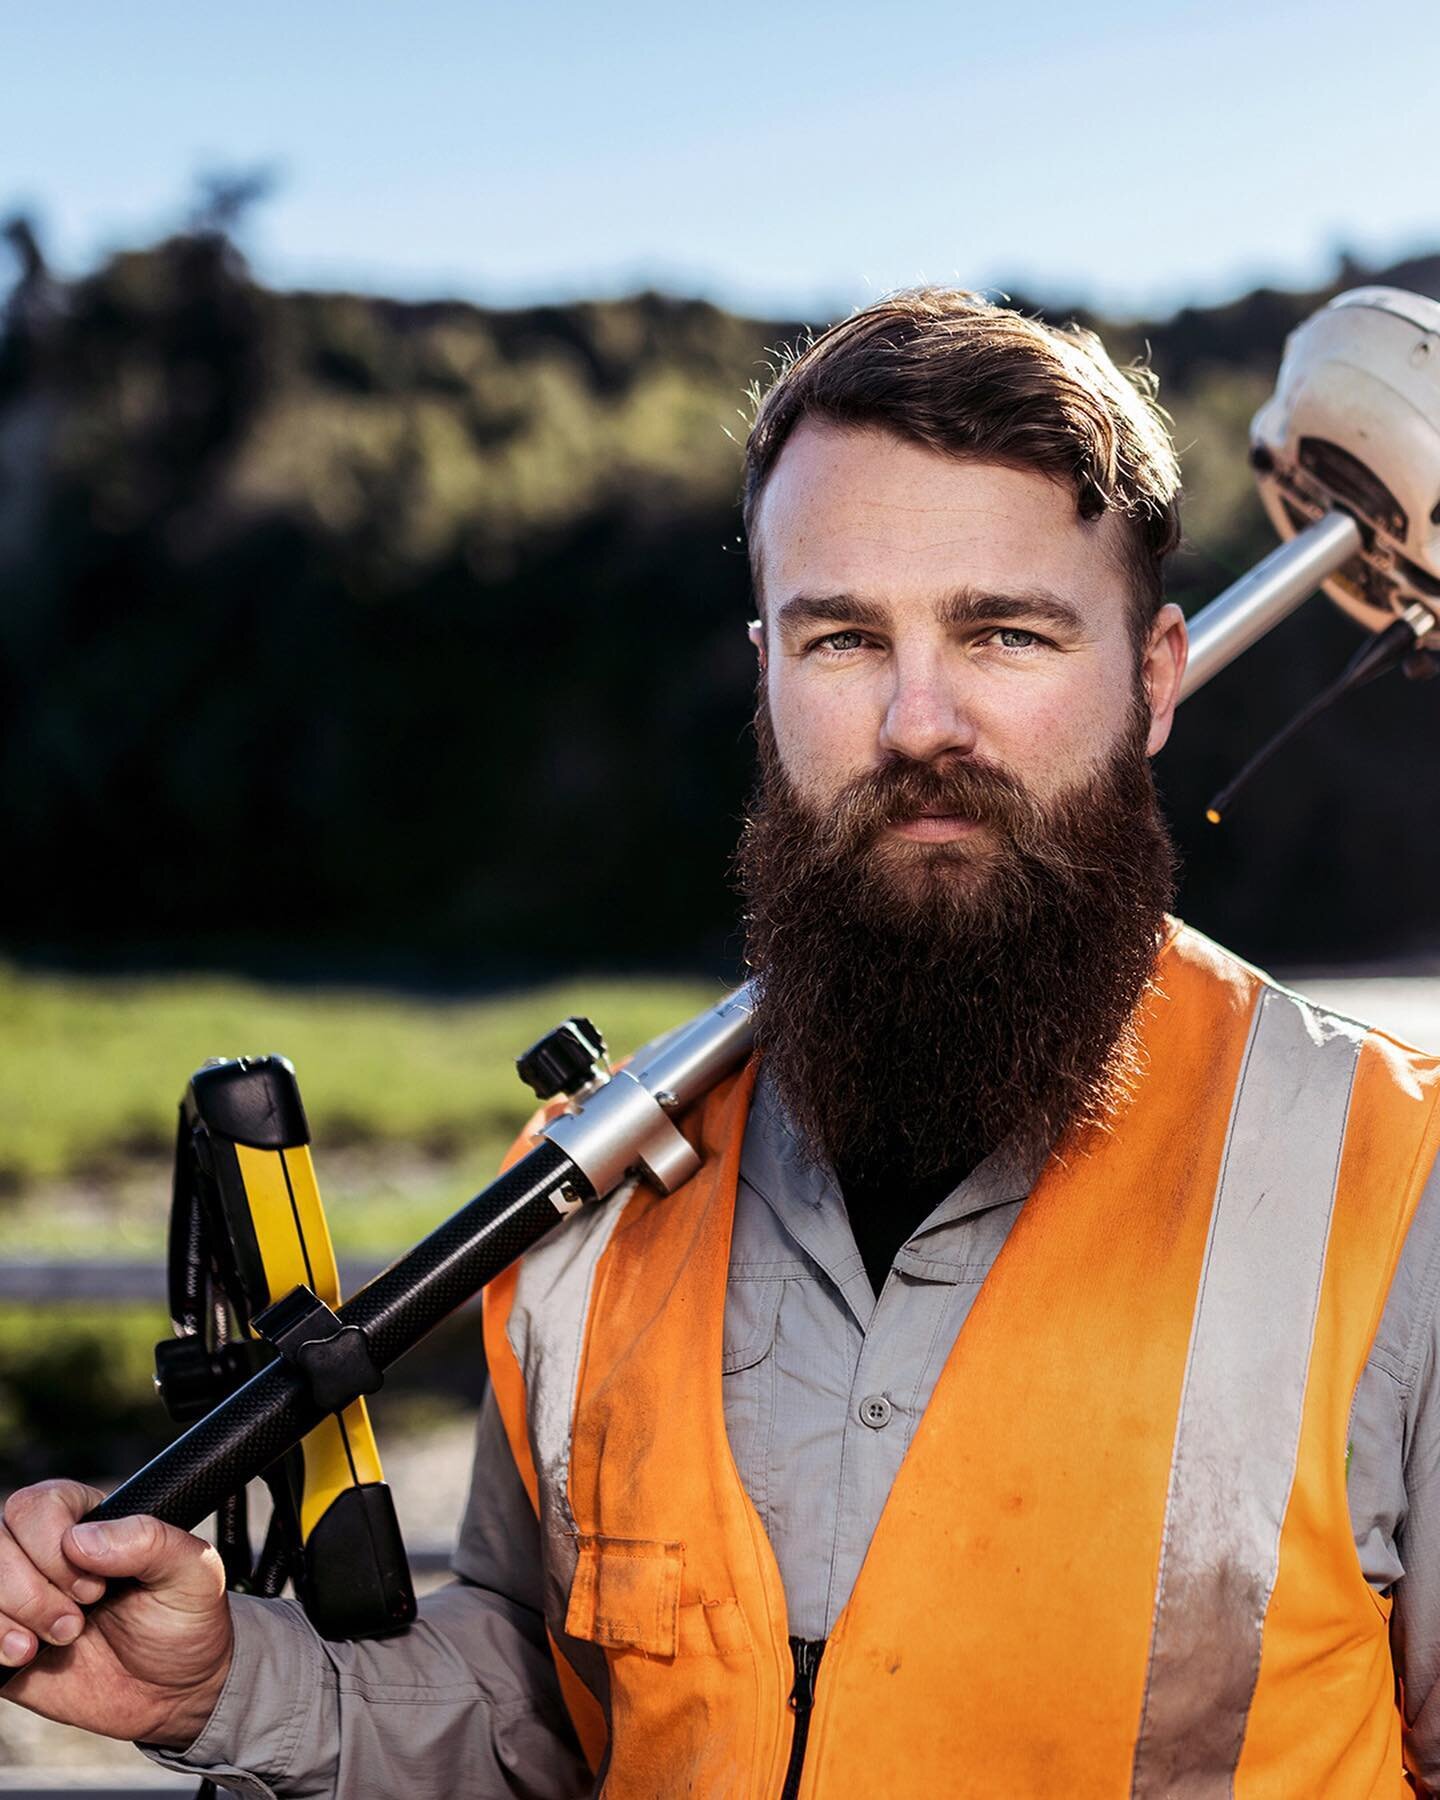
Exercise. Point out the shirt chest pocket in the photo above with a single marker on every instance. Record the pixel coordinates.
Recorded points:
(748, 1377)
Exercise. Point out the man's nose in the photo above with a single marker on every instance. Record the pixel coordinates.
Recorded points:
(926, 717)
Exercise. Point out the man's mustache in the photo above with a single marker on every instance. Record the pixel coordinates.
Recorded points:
(904, 788)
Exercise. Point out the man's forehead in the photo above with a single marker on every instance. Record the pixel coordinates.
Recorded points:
(848, 509)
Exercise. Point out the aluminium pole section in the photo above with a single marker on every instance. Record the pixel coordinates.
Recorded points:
(1268, 593)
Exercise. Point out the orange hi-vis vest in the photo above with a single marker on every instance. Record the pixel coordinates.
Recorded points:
(1117, 1559)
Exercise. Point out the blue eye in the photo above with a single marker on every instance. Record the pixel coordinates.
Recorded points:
(840, 641)
(1011, 637)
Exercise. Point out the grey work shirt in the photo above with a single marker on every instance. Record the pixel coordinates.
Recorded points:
(824, 1384)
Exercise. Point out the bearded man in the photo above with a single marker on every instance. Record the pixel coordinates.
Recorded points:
(1035, 1391)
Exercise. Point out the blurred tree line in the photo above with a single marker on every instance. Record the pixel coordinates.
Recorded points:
(341, 635)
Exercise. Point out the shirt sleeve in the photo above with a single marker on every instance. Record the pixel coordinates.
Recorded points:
(467, 1700)
(1415, 1621)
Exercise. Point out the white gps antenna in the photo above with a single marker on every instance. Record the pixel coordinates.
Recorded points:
(1347, 456)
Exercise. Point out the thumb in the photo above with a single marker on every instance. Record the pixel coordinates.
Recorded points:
(178, 1568)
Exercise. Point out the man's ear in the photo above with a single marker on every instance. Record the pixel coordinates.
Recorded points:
(1161, 670)
(755, 631)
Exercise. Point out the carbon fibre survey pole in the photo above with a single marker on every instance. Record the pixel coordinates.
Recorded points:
(277, 1407)
(624, 1126)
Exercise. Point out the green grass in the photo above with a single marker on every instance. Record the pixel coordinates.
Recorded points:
(410, 1101)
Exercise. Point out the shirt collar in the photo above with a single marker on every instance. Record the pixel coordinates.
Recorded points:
(801, 1190)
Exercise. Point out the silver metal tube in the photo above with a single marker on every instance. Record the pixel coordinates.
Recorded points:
(627, 1124)
(1272, 590)
(690, 1063)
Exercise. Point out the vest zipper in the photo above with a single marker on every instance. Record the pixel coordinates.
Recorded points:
(806, 1654)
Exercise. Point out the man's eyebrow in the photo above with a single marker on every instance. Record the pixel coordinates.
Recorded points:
(828, 609)
(966, 606)
(969, 606)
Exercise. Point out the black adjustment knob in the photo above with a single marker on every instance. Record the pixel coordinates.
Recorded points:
(564, 1061)
(190, 1378)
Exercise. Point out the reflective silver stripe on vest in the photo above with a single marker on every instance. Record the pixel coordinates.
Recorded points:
(546, 1329)
(1238, 1434)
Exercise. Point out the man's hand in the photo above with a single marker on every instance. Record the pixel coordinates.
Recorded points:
(150, 1663)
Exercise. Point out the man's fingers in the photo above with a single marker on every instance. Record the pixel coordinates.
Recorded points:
(30, 1603)
(17, 1645)
(184, 1570)
(38, 1517)
(39, 1587)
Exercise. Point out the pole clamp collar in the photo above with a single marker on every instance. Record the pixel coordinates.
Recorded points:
(333, 1357)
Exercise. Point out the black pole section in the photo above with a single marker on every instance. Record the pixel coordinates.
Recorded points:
(273, 1411)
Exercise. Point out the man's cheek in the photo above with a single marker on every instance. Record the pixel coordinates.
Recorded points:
(817, 767)
(819, 751)
(1052, 746)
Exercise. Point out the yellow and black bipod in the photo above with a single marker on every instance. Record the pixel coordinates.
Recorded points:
(252, 1274)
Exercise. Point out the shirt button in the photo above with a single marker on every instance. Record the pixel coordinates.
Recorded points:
(875, 1411)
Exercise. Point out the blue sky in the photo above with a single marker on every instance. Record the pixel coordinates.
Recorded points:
(780, 159)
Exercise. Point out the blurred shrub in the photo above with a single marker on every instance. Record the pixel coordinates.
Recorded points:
(362, 627)
(76, 1394)
(410, 636)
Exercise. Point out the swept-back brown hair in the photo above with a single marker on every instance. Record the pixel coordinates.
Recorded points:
(948, 369)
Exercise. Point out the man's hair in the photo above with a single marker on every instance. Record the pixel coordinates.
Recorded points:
(947, 369)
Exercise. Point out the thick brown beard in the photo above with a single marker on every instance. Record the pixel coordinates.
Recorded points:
(920, 1004)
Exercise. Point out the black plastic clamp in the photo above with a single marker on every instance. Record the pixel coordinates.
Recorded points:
(333, 1357)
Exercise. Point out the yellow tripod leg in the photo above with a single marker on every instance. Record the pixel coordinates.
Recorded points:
(295, 1248)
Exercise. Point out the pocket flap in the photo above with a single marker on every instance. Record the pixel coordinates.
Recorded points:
(752, 1310)
(626, 1594)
